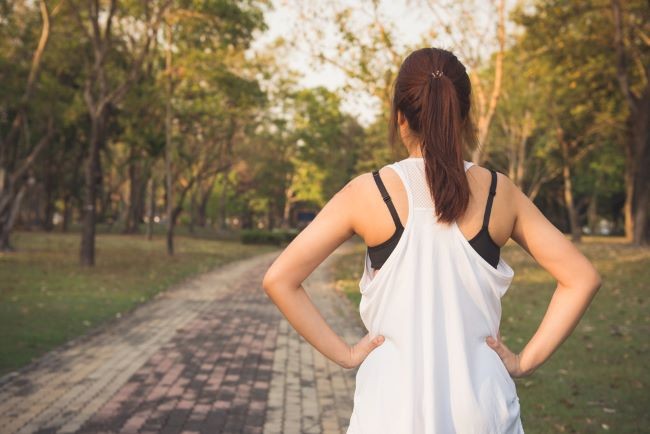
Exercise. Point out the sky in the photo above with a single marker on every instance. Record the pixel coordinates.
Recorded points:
(411, 22)
(328, 75)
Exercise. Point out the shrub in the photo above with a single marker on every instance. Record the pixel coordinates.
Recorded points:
(261, 236)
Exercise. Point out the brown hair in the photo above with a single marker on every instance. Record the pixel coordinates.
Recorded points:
(437, 110)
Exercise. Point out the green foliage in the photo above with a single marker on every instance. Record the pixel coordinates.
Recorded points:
(225, 23)
(278, 144)
(327, 138)
(561, 84)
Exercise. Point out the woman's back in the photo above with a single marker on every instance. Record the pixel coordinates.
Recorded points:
(381, 226)
(435, 300)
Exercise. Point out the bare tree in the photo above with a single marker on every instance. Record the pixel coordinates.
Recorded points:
(367, 50)
(370, 53)
(518, 129)
(470, 40)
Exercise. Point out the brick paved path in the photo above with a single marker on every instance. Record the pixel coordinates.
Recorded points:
(212, 355)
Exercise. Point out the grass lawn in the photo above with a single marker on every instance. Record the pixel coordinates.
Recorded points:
(598, 380)
(46, 298)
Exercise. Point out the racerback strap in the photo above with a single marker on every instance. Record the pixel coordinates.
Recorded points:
(493, 191)
(387, 199)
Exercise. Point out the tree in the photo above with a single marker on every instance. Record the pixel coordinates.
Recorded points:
(469, 40)
(631, 42)
(367, 50)
(207, 103)
(16, 158)
(104, 88)
(575, 41)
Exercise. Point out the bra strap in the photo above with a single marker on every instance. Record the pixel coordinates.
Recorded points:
(387, 199)
(493, 191)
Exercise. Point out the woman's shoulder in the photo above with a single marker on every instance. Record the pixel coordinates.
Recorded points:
(360, 185)
(365, 193)
(363, 199)
(483, 176)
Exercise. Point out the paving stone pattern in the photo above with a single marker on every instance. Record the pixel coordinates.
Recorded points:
(211, 355)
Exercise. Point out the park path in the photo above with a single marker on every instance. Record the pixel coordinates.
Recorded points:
(211, 355)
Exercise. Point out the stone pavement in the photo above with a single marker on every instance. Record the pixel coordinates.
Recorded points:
(211, 355)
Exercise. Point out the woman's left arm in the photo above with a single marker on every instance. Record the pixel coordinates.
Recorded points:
(282, 282)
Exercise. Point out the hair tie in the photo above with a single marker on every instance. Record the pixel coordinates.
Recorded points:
(437, 73)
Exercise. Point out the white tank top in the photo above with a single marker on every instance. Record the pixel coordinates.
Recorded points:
(435, 300)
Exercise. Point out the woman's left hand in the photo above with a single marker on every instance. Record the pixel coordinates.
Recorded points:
(360, 351)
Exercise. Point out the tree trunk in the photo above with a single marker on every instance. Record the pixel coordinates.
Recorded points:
(87, 251)
(67, 212)
(222, 206)
(170, 229)
(628, 213)
(637, 179)
(526, 131)
(286, 212)
(106, 212)
(170, 233)
(192, 211)
(592, 212)
(168, 142)
(12, 190)
(574, 221)
(152, 207)
(247, 219)
(12, 212)
(48, 212)
(130, 226)
(170, 237)
(271, 216)
(202, 210)
(288, 198)
(137, 188)
(640, 139)
(487, 110)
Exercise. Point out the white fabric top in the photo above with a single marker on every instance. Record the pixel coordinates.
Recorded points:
(435, 300)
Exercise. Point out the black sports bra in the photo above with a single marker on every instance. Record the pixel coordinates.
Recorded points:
(482, 242)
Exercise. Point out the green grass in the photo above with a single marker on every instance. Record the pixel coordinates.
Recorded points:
(46, 298)
(597, 381)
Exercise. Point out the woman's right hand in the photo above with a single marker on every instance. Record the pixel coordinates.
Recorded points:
(511, 360)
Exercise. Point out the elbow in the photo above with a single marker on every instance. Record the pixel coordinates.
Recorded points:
(269, 281)
(588, 283)
(598, 282)
(595, 281)
(272, 281)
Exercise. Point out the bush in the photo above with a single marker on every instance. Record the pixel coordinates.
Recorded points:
(260, 236)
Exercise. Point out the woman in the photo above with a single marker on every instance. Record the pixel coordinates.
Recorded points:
(433, 360)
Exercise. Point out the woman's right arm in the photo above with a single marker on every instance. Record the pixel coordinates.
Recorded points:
(577, 279)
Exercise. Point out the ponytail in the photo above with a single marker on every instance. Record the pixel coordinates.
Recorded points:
(433, 92)
(440, 122)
